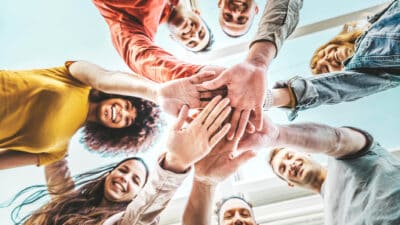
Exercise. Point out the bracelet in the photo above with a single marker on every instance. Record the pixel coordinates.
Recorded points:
(269, 100)
(205, 180)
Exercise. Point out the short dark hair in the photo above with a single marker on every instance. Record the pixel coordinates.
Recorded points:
(224, 200)
(137, 137)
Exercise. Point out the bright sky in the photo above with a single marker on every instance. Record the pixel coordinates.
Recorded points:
(45, 33)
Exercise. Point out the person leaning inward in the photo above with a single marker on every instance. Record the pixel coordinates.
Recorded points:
(119, 195)
(330, 56)
(41, 109)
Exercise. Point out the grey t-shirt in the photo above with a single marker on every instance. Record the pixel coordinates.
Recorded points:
(363, 188)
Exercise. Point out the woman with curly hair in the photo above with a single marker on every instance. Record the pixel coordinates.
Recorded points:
(121, 194)
(41, 109)
(330, 56)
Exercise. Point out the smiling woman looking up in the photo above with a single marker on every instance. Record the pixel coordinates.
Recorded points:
(41, 109)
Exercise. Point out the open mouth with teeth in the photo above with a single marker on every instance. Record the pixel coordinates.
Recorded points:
(119, 186)
(113, 113)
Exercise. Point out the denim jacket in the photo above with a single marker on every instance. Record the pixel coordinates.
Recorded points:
(375, 67)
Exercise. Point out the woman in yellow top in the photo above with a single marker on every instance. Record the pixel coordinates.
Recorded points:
(41, 109)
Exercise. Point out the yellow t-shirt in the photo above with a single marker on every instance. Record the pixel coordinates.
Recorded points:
(40, 110)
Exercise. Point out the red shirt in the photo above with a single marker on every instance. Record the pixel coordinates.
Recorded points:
(133, 25)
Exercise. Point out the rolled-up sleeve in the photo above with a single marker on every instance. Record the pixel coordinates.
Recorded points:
(336, 87)
(278, 21)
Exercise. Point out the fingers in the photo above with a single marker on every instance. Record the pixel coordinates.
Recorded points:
(258, 120)
(250, 128)
(216, 113)
(217, 82)
(206, 111)
(207, 95)
(219, 121)
(181, 118)
(202, 76)
(244, 119)
(234, 122)
(242, 158)
(219, 135)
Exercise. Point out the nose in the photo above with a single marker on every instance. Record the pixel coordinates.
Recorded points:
(238, 222)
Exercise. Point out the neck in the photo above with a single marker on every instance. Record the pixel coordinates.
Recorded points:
(92, 114)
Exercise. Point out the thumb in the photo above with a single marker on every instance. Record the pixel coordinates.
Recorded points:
(219, 81)
(183, 114)
(244, 157)
(202, 76)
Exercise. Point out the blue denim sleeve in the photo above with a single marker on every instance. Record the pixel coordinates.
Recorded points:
(336, 87)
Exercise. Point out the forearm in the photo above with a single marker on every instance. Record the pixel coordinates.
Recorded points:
(11, 159)
(261, 54)
(198, 209)
(318, 138)
(114, 82)
(335, 87)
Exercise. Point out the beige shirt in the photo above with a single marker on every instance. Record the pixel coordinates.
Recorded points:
(278, 21)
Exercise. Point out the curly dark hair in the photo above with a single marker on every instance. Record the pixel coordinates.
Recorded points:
(137, 137)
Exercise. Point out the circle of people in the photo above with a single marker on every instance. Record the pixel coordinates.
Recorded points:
(120, 112)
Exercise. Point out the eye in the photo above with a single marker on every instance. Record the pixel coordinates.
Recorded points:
(191, 44)
(245, 213)
(123, 170)
(228, 215)
(242, 20)
(202, 33)
(282, 169)
(227, 17)
(136, 180)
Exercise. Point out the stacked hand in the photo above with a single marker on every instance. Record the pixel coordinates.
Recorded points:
(187, 145)
(173, 95)
(246, 85)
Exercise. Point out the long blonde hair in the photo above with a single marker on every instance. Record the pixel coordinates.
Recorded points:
(347, 37)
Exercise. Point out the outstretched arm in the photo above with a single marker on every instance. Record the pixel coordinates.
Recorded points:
(11, 159)
(211, 170)
(308, 137)
(133, 38)
(247, 81)
(171, 96)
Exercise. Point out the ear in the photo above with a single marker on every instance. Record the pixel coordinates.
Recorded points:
(256, 9)
(220, 3)
(196, 11)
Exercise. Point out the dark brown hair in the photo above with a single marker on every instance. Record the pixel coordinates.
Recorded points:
(79, 206)
(137, 137)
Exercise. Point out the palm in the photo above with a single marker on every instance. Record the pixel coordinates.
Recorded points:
(218, 165)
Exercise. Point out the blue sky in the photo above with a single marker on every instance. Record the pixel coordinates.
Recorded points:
(45, 33)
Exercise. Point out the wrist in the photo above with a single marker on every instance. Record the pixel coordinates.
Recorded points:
(261, 54)
(173, 164)
(281, 97)
(204, 181)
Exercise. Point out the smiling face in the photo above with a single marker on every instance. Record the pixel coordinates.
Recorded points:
(236, 212)
(236, 16)
(296, 168)
(116, 113)
(331, 58)
(188, 29)
(125, 181)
